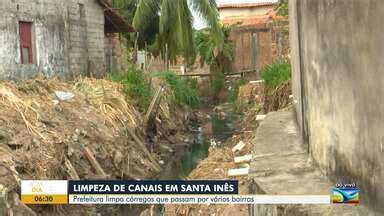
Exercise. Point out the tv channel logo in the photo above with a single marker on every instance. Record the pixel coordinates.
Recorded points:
(345, 193)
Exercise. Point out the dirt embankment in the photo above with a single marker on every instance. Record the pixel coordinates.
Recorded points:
(53, 130)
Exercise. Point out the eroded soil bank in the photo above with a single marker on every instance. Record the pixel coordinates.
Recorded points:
(82, 130)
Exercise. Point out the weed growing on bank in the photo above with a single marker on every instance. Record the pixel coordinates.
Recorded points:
(137, 86)
(277, 73)
(185, 90)
(233, 92)
(217, 83)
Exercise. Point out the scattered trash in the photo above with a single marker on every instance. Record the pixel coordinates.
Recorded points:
(243, 159)
(213, 143)
(240, 145)
(238, 172)
(260, 117)
(64, 95)
(256, 81)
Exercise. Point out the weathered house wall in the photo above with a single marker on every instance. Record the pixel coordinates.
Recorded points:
(116, 53)
(68, 38)
(337, 51)
(87, 38)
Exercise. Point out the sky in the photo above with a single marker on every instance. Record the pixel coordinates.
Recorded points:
(199, 23)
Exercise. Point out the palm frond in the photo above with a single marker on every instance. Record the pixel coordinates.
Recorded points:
(146, 11)
(175, 21)
(176, 29)
(207, 9)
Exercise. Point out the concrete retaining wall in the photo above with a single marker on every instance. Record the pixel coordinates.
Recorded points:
(337, 53)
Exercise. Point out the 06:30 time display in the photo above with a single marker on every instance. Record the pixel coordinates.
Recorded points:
(43, 198)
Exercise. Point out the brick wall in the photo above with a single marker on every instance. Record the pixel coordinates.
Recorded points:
(67, 40)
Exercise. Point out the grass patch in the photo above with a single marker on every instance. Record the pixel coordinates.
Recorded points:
(185, 90)
(234, 91)
(136, 85)
(277, 73)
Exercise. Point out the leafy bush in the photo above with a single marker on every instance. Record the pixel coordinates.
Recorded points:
(137, 85)
(234, 91)
(282, 9)
(276, 73)
(184, 90)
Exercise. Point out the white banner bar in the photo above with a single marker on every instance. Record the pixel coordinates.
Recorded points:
(198, 199)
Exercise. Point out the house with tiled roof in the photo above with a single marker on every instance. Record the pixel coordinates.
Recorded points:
(231, 9)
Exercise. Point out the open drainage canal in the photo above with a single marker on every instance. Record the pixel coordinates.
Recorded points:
(220, 128)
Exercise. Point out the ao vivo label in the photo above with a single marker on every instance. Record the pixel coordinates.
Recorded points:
(44, 192)
(345, 194)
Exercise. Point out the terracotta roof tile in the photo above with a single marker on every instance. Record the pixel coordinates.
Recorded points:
(256, 22)
(114, 22)
(245, 5)
(259, 21)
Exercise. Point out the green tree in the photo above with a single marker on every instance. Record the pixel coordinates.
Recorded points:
(216, 54)
(175, 24)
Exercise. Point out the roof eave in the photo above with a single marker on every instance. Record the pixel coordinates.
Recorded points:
(114, 22)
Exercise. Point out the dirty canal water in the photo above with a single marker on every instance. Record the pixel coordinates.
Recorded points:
(220, 127)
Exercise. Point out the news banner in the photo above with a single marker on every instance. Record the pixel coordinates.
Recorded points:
(166, 192)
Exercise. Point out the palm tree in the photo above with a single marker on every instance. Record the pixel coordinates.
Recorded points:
(175, 35)
(217, 55)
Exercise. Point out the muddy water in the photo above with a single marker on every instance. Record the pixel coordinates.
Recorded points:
(197, 152)
(221, 127)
